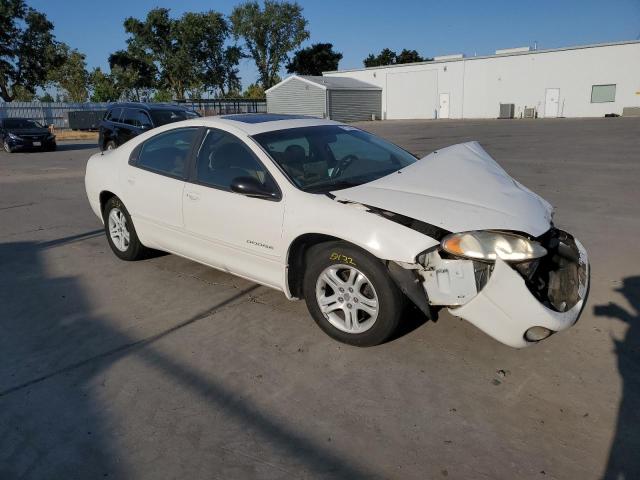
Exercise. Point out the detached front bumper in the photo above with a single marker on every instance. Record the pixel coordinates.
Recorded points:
(506, 308)
(511, 301)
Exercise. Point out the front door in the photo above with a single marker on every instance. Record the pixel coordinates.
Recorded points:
(552, 102)
(230, 231)
(444, 106)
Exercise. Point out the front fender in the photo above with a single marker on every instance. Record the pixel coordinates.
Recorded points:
(382, 238)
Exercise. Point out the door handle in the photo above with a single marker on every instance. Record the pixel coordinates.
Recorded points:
(193, 196)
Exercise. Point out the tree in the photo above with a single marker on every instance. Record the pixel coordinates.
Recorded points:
(189, 53)
(254, 92)
(46, 98)
(409, 56)
(132, 74)
(103, 87)
(314, 60)
(385, 57)
(269, 34)
(389, 57)
(27, 50)
(71, 75)
(228, 78)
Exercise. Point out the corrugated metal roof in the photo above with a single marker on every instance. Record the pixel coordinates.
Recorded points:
(339, 83)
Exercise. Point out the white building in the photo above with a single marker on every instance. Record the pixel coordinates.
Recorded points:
(582, 81)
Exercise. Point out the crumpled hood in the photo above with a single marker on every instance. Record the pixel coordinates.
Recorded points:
(458, 188)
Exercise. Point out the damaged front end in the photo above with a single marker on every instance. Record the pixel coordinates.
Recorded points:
(517, 303)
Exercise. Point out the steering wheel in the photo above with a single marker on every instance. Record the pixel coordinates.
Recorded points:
(342, 165)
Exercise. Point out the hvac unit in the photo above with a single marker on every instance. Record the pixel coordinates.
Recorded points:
(529, 112)
(507, 110)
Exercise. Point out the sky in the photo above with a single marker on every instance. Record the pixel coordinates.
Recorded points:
(357, 28)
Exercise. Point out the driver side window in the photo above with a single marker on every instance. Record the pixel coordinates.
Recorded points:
(222, 157)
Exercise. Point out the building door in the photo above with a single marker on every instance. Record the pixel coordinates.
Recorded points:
(444, 106)
(552, 102)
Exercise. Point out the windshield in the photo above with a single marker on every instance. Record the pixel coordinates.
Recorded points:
(21, 123)
(162, 117)
(331, 157)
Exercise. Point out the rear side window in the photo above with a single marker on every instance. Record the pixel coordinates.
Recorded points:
(135, 118)
(222, 157)
(167, 153)
(114, 115)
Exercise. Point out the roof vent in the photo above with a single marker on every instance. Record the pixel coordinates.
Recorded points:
(504, 51)
(454, 56)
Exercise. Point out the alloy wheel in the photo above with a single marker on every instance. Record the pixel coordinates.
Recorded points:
(347, 298)
(118, 229)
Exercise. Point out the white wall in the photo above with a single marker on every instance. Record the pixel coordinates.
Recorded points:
(478, 85)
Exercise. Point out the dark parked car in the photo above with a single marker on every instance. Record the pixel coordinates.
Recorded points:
(24, 133)
(123, 121)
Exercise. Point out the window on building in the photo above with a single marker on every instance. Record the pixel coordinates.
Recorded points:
(603, 93)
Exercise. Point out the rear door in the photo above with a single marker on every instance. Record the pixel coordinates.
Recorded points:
(154, 182)
(228, 230)
(130, 125)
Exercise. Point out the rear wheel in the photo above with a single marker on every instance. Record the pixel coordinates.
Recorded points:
(350, 294)
(121, 233)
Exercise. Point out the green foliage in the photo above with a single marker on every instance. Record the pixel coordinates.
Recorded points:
(389, 57)
(71, 74)
(46, 98)
(161, 96)
(103, 87)
(135, 75)
(254, 92)
(27, 50)
(410, 56)
(188, 53)
(314, 60)
(269, 34)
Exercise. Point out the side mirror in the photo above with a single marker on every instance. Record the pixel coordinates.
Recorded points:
(251, 187)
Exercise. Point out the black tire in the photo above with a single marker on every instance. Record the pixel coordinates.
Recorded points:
(51, 148)
(135, 250)
(7, 148)
(389, 297)
(110, 145)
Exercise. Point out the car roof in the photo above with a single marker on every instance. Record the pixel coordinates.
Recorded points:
(3, 120)
(147, 106)
(255, 123)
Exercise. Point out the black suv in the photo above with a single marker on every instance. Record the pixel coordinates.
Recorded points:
(24, 133)
(123, 121)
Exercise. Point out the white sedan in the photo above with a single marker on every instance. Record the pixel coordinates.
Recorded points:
(355, 225)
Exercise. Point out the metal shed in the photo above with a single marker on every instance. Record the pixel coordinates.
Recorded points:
(339, 98)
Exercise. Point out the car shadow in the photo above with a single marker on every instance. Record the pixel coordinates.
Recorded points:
(624, 458)
(68, 147)
(56, 348)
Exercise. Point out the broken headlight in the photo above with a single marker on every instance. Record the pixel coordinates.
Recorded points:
(489, 245)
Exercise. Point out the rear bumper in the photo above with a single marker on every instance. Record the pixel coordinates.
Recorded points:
(505, 308)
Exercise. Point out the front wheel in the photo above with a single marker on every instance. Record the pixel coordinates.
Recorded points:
(121, 234)
(7, 147)
(350, 294)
